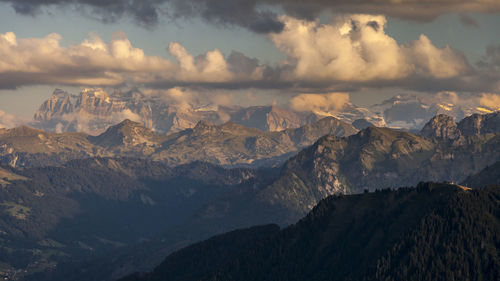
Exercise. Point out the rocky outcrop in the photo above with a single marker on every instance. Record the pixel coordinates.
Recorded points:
(478, 124)
(444, 127)
(56, 106)
(381, 158)
(271, 118)
(441, 127)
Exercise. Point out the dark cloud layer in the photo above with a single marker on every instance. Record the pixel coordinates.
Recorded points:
(255, 15)
(143, 12)
(243, 13)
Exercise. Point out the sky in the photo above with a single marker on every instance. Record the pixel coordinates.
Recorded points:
(270, 49)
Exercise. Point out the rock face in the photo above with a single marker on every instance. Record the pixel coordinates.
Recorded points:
(94, 110)
(129, 134)
(444, 127)
(377, 158)
(441, 127)
(56, 106)
(478, 124)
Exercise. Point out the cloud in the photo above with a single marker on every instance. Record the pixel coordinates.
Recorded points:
(491, 61)
(490, 101)
(147, 13)
(188, 98)
(143, 12)
(468, 20)
(93, 62)
(243, 13)
(355, 48)
(422, 10)
(323, 104)
(9, 121)
(92, 123)
(447, 97)
(351, 52)
(255, 15)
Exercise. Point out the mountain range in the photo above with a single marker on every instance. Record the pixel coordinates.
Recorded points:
(100, 207)
(226, 144)
(94, 110)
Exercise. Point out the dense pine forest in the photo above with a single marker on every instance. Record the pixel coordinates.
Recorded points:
(432, 232)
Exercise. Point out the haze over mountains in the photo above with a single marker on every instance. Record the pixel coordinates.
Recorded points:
(94, 110)
(69, 197)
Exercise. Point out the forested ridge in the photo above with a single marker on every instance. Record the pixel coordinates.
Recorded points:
(431, 232)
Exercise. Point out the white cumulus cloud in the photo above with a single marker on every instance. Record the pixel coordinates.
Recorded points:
(25, 61)
(356, 48)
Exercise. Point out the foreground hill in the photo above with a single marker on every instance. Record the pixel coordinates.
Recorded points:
(226, 144)
(432, 232)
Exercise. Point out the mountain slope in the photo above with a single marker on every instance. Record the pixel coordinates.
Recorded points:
(478, 124)
(409, 234)
(88, 207)
(380, 157)
(488, 176)
(441, 127)
(226, 144)
(24, 146)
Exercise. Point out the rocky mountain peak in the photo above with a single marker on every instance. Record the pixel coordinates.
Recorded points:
(361, 124)
(94, 101)
(126, 133)
(441, 126)
(57, 105)
(478, 124)
(326, 126)
(204, 125)
(127, 123)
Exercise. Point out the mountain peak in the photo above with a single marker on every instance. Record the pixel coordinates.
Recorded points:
(23, 131)
(57, 105)
(204, 125)
(441, 126)
(126, 132)
(128, 123)
(477, 124)
(361, 124)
